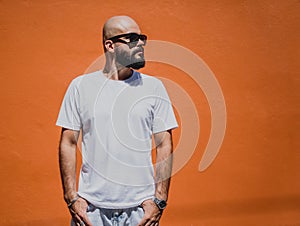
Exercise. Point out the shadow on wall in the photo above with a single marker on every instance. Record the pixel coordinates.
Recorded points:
(42, 222)
(264, 205)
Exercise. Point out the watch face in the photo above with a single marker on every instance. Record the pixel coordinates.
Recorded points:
(162, 204)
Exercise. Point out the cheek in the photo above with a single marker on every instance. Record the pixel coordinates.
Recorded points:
(123, 53)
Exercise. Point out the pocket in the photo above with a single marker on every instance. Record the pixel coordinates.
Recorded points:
(90, 208)
(140, 211)
(93, 214)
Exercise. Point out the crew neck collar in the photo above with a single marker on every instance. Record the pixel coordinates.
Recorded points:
(128, 80)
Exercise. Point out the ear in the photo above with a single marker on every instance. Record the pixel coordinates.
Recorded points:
(108, 44)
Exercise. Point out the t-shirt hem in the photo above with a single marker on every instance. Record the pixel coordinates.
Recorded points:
(165, 129)
(106, 205)
(67, 126)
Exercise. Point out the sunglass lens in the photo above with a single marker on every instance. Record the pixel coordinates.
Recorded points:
(136, 37)
(143, 37)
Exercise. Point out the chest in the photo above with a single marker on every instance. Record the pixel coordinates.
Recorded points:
(117, 104)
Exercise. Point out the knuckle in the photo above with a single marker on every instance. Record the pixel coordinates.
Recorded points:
(147, 217)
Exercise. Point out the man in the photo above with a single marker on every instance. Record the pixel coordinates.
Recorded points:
(118, 110)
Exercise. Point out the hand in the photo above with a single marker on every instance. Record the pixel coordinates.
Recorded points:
(152, 214)
(78, 212)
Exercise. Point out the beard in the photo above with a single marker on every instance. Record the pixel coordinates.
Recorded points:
(130, 60)
(137, 65)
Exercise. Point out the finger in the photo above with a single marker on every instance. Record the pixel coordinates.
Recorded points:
(77, 219)
(80, 213)
(74, 222)
(82, 216)
(143, 221)
(151, 222)
(82, 220)
(86, 220)
(80, 223)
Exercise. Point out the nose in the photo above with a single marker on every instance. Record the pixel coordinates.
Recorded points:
(141, 43)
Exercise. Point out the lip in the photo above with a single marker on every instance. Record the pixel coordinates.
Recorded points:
(139, 51)
(139, 54)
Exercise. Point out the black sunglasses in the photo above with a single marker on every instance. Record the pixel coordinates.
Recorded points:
(133, 38)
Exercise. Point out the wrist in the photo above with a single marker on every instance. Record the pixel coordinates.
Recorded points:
(70, 204)
(70, 196)
(161, 193)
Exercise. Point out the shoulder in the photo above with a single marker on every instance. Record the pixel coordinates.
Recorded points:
(151, 79)
(85, 78)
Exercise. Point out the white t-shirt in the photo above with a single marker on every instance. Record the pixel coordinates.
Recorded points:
(117, 119)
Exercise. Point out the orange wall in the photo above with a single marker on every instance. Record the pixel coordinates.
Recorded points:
(251, 46)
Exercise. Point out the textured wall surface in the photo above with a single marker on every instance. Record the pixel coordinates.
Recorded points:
(251, 46)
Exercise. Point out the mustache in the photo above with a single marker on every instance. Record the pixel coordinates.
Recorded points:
(139, 49)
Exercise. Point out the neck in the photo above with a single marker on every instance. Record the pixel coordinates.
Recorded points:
(113, 72)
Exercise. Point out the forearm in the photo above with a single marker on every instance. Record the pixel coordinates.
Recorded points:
(67, 164)
(164, 162)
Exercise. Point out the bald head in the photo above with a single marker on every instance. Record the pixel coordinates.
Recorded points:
(119, 25)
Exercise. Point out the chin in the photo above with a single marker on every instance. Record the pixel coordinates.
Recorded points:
(137, 65)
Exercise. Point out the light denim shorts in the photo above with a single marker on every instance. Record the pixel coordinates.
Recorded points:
(114, 217)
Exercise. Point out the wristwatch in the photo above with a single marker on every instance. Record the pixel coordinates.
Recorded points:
(161, 204)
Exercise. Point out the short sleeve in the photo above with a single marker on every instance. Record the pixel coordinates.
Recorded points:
(164, 117)
(69, 114)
